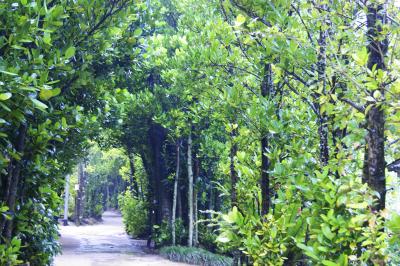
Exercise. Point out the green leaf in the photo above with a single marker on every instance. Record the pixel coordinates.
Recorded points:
(329, 263)
(394, 223)
(138, 32)
(47, 38)
(70, 52)
(8, 73)
(39, 105)
(5, 96)
(326, 230)
(46, 94)
(361, 57)
(64, 122)
(240, 19)
(360, 205)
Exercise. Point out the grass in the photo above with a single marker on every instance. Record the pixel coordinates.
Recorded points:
(196, 256)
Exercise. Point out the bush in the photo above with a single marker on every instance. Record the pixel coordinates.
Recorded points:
(163, 233)
(9, 253)
(195, 256)
(134, 214)
(207, 238)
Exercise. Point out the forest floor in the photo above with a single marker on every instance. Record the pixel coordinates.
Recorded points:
(104, 244)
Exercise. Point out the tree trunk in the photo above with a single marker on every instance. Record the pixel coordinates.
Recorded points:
(179, 203)
(196, 217)
(234, 179)
(323, 119)
(211, 200)
(66, 200)
(79, 197)
(190, 190)
(266, 91)
(195, 202)
(13, 181)
(162, 197)
(233, 173)
(151, 219)
(175, 196)
(374, 164)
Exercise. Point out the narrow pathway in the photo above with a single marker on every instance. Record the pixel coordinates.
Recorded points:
(104, 244)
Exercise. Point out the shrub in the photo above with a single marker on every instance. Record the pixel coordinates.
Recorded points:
(9, 253)
(207, 237)
(134, 214)
(163, 233)
(195, 256)
(336, 219)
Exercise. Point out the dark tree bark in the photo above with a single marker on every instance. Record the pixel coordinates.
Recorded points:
(323, 119)
(374, 163)
(162, 199)
(151, 199)
(14, 172)
(190, 190)
(234, 180)
(233, 172)
(267, 88)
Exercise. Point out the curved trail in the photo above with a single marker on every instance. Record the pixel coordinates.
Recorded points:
(104, 244)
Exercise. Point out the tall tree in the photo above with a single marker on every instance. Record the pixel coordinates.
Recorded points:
(175, 195)
(374, 163)
(190, 189)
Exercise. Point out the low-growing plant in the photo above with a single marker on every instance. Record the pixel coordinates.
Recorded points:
(196, 256)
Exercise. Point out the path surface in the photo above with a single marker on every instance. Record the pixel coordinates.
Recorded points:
(104, 244)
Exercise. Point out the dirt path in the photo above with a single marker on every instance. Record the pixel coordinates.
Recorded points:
(104, 244)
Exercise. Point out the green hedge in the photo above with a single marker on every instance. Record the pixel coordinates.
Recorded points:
(195, 256)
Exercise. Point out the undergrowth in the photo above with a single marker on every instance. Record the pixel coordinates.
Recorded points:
(196, 256)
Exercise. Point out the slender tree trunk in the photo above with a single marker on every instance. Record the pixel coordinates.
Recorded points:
(195, 201)
(233, 173)
(266, 91)
(374, 164)
(175, 196)
(190, 190)
(211, 200)
(234, 179)
(79, 196)
(323, 119)
(196, 217)
(66, 200)
(13, 181)
(179, 203)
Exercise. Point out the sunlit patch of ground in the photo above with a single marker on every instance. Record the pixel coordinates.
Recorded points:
(104, 244)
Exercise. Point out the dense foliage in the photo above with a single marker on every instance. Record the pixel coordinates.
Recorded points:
(262, 130)
(134, 213)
